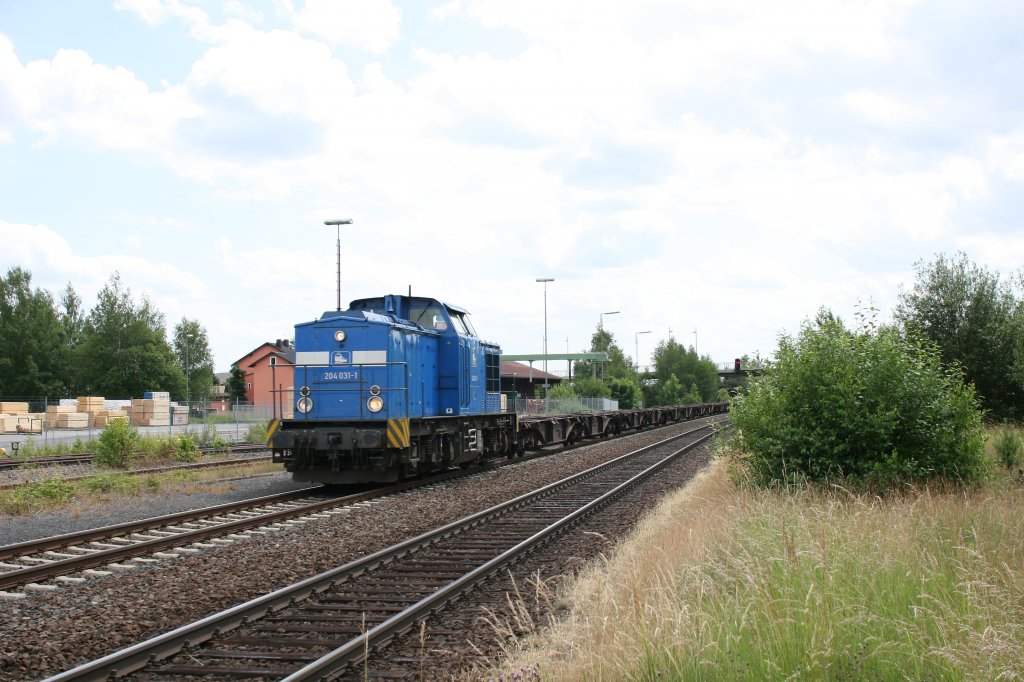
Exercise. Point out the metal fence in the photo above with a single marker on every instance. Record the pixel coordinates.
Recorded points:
(50, 421)
(561, 405)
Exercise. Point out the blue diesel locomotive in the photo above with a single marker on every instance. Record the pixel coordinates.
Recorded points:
(393, 387)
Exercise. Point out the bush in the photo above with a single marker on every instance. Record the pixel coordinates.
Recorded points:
(1008, 446)
(116, 445)
(868, 406)
(185, 449)
(257, 432)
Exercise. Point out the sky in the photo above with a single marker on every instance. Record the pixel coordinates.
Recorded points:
(714, 171)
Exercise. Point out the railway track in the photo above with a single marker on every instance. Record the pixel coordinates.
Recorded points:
(212, 464)
(9, 463)
(101, 551)
(334, 623)
(92, 552)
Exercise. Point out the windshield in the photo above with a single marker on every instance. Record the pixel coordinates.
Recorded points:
(429, 316)
(462, 323)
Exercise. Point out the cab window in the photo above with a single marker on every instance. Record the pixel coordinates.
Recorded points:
(430, 317)
(462, 323)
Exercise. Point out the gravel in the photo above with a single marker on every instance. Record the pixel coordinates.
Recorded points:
(53, 631)
(41, 525)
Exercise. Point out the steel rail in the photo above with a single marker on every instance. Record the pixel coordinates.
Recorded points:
(101, 557)
(9, 463)
(215, 464)
(138, 656)
(356, 650)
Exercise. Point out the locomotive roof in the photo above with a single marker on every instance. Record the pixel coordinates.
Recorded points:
(373, 303)
(381, 304)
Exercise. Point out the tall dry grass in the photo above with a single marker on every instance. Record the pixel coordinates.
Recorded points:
(727, 583)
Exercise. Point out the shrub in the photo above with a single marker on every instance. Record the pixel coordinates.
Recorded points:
(257, 433)
(867, 406)
(116, 445)
(1008, 446)
(186, 449)
(210, 437)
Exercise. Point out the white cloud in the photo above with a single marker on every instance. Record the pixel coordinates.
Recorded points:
(610, 145)
(71, 98)
(156, 12)
(885, 109)
(371, 25)
(448, 9)
(1007, 154)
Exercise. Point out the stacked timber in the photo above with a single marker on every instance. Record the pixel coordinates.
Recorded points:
(91, 404)
(179, 414)
(10, 415)
(53, 412)
(30, 422)
(73, 420)
(151, 412)
(101, 418)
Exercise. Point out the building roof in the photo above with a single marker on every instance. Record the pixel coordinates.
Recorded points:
(281, 348)
(522, 370)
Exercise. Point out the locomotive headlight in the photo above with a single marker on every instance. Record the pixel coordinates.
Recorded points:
(305, 404)
(375, 390)
(375, 403)
(339, 336)
(304, 391)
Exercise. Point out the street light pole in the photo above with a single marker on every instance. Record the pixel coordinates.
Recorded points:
(544, 281)
(600, 326)
(636, 347)
(338, 223)
(188, 393)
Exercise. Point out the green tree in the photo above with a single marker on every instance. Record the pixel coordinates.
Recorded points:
(235, 384)
(193, 358)
(124, 349)
(627, 391)
(617, 366)
(72, 322)
(31, 339)
(668, 392)
(671, 359)
(563, 390)
(869, 406)
(974, 318)
(588, 387)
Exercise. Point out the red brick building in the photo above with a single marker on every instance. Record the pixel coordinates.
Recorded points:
(269, 375)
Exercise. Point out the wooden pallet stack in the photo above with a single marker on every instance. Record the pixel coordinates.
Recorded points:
(101, 418)
(54, 412)
(179, 414)
(151, 412)
(11, 415)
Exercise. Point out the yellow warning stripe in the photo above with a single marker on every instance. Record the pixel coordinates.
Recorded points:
(398, 433)
(271, 427)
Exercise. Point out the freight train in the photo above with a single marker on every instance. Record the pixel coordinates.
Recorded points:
(401, 386)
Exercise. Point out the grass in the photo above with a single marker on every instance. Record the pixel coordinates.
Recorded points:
(738, 584)
(150, 446)
(1006, 445)
(111, 488)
